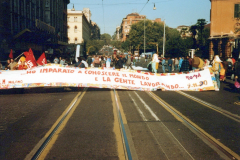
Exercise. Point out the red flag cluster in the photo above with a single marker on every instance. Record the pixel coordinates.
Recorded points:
(31, 61)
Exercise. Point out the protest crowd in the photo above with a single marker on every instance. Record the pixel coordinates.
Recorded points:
(221, 67)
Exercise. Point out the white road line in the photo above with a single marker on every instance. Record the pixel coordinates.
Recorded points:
(157, 119)
(139, 110)
(147, 107)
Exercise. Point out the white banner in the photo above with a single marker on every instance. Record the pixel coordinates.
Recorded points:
(56, 75)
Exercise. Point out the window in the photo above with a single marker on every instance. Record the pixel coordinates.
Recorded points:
(237, 11)
(75, 40)
(75, 29)
(68, 18)
(125, 26)
(75, 19)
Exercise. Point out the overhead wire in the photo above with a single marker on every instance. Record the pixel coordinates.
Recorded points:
(103, 17)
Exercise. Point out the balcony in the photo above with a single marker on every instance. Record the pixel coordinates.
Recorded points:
(44, 26)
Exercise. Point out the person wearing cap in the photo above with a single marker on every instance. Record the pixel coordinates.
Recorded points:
(21, 65)
(163, 64)
(217, 68)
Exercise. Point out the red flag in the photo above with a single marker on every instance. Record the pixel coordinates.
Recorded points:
(11, 54)
(30, 60)
(31, 53)
(42, 59)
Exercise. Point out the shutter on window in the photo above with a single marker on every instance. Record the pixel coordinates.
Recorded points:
(236, 11)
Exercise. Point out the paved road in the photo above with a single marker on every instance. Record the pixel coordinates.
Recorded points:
(91, 130)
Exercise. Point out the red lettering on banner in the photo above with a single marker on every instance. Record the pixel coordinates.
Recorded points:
(125, 81)
(59, 69)
(96, 79)
(106, 80)
(149, 84)
(31, 72)
(194, 76)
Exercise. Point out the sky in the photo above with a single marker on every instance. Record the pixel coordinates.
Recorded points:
(108, 14)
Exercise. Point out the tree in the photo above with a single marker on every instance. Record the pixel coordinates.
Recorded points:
(200, 26)
(106, 38)
(93, 46)
(193, 29)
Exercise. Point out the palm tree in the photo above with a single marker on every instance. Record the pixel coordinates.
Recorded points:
(193, 30)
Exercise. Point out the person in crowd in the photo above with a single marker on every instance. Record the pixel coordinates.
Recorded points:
(84, 62)
(195, 62)
(230, 60)
(170, 63)
(93, 58)
(237, 74)
(22, 64)
(180, 63)
(217, 68)
(7, 65)
(173, 60)
(118, 62)
(190, 62)
(185, 65)
(1, 66)
(154, 63)
(96, 62)
(129, 62)
(114, 60)
(134, 60)
(163, 64)
(62, 61)
(201, 63)
(79, 64)
(124, 60)
(176, 63)
(225, 66)
(56, 60)
(206, 62)
(108, 62)
(12, 64)
(89, 60)
(146, 58)
(103, 62)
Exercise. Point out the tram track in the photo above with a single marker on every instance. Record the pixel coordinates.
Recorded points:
(228, 114)
(41, 146)
(218, 146)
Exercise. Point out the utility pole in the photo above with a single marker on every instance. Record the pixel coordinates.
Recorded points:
(164, 40)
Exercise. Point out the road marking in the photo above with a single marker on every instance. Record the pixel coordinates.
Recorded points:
(117, 130)
(213, 107)
(187, 121)
(157, 119)
(60, 123)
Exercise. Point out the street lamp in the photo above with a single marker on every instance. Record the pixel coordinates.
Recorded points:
(154, 8)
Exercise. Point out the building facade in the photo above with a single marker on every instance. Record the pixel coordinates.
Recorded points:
(127, 23)
(79, 27)
(95, 31)
(37, 24)
(225, 28)
(122, 32)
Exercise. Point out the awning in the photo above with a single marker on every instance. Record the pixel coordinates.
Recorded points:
(21, 33)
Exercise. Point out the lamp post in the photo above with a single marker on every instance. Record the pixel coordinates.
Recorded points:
(144, 35)
(154, 8)
(164, 39)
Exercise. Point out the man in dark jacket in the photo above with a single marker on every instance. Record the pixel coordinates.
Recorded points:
(185, 65)
(79, 63)
(119, 62)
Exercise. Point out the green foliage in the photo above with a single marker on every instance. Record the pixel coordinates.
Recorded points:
(93, 46)
(106, 38)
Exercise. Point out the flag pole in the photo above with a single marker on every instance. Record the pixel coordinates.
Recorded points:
(19, 56)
